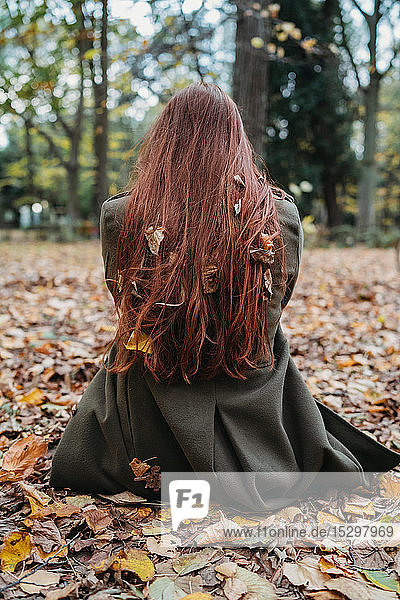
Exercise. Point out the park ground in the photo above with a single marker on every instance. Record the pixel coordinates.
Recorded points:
(55, 320)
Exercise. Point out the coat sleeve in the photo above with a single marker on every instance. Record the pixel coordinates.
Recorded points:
(111, 220)
(107, 251)
(294, 259)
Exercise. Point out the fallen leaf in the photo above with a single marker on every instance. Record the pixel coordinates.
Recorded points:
(166, 547)
(17, 547)
(263, 589)
(20, 459)
(98, 519)
(234, 588)
(356, 590)
(123, 498)
(305, 572)
(381, 580)
(165, 589)
(39, 581)
(35, 397)
(70, 589)
(36, 498)
(135, 561)
(193, 561)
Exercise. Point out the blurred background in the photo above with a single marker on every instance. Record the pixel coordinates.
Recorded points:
(317, 83)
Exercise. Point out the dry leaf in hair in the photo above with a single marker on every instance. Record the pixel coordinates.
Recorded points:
(266, 254)
(239, 180)
(142, 342)
(210, 279)
(268, 245)
(238, 206)
(135, 292)
(267, 282)
(154, 236)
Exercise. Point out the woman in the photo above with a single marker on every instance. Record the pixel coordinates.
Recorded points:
(201, 257)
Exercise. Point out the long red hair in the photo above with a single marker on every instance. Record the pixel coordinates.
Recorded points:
(199, 231)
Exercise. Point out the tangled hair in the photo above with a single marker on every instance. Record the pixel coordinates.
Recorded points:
(199, 231)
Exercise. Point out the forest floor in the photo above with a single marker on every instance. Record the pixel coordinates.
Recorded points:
(55, 320)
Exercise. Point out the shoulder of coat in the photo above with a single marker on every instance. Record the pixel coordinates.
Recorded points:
(285, 196)
(119, 195)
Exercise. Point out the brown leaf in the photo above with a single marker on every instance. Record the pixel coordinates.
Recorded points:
(209, 279)
(46, 535)
(20, 459)
(98, 519)
(154, 236)
(139, 467)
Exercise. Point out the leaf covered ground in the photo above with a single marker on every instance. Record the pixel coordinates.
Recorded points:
(55, 317)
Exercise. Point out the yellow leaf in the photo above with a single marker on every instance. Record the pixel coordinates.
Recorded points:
(325, 516)
(36, 498)
(135, 561)
(356, 508)
(17, 547)
(142, 343)
(35, 397)
(391, 486)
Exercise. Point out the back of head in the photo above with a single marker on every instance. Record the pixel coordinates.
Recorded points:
(190, 274)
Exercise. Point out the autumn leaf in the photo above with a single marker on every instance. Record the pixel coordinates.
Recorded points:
(35, 397)
(36, 498)
(17, 547)
(97, 519)
(39, 581)
(20, 459)
(135, 561)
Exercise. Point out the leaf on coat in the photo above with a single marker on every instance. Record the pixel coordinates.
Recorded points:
(17, 547)
(139, 467)
(20, 459)
(154, 236)
(39, 581)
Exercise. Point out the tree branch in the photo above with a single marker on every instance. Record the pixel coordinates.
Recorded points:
(347, 48)
(53, 147)
(364, 14)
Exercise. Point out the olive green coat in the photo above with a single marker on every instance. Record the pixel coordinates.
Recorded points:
(270, 422)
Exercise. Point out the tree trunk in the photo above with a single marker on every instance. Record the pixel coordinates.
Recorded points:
(100, 90)
(30, 184)
(250, 73)
(369, 172)
(333, 210)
